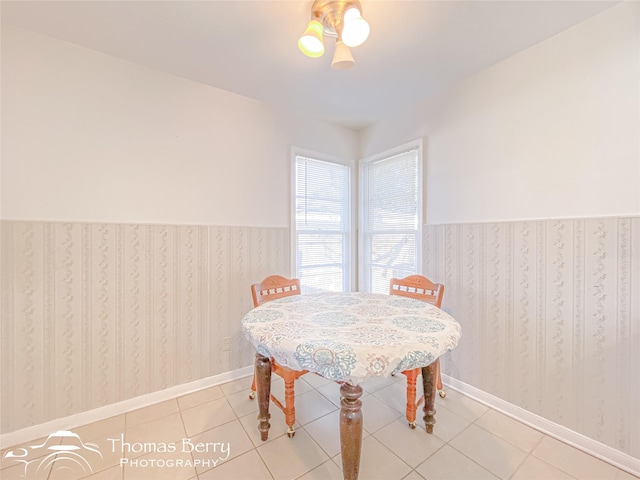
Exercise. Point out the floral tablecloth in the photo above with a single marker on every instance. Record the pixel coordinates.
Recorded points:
(351, 336)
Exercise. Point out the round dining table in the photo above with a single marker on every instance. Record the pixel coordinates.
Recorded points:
(349, 337)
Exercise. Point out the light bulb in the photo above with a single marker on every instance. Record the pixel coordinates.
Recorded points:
(311, 43)
(342, 57)
(355, 30)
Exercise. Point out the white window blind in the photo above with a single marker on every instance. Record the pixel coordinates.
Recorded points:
(322, 225)
(390, 219)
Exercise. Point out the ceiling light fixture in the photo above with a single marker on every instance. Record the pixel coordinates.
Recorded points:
(341, 19)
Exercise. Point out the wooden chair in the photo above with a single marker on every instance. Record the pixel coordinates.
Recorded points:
(272, 288)
(420, 288)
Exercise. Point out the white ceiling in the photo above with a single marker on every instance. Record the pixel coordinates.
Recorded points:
(415, 49)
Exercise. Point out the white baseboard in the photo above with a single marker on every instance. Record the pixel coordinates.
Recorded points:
(564, 434)
(67, 423)
(592, 447)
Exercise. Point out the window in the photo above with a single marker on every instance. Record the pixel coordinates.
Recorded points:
(390, 217)
(322, 224)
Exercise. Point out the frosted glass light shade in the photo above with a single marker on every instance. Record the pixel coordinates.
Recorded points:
(311, 43)
(342, 57)
(356, 28)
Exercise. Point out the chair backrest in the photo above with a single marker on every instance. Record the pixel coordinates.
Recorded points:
(273, 287)
(418, 287)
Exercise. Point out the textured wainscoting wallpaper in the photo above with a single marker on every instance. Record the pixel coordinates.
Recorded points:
(550, 314)
(93, 314)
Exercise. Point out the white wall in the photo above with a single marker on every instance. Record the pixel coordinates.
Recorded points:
(551, 132)
(98, 306)
(89, 137)
(550, 309)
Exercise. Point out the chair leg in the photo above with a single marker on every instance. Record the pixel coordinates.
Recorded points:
(412, 376)
(289, 401)
(252, 394)
(441, 391)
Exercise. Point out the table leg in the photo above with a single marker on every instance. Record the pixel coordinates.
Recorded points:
(429, 382)
(263, 386)
(350, 430)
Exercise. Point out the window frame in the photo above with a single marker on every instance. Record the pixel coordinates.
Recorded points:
(352, 233)
(364, 283)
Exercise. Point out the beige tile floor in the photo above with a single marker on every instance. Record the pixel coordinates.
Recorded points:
(213, 432)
